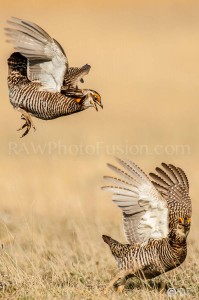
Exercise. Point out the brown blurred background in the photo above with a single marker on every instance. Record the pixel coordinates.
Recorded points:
(145, 64)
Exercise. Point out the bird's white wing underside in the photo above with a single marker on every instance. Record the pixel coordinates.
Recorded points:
(47, 62)
(145, 212)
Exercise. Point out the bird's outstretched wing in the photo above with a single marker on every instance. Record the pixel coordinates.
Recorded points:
(173, 185)
(47, 62)
(74, 75)
(145, 211)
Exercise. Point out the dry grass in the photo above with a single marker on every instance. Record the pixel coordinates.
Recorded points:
(145, 64)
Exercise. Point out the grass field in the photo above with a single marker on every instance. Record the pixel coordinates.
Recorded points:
(145, 64)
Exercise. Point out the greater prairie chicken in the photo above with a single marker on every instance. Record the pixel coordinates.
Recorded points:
(40, 81)
(156, 220)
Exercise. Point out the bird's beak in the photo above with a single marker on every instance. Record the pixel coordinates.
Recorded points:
(98, 103)
(96, 106)
(101, 105)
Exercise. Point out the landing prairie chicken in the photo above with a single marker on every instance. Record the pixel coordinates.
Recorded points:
(156, 220)
(40, 81)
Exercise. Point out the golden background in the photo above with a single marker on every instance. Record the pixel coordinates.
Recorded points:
(145, 64)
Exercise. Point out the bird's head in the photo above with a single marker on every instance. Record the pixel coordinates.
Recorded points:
(183, 226)
(91, 99)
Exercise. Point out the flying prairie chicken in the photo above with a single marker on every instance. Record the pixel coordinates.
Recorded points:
(156, 220)
(40, 81)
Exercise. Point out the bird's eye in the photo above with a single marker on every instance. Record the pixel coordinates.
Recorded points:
(180, 220)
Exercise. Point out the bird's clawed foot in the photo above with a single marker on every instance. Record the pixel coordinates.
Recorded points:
(118, 282)
(163, 287)
(118, 286)
(27, 125)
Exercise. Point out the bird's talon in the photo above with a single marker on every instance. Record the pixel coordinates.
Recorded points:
(28, 124)
(22, 127)
(120, 289)
(25, 133)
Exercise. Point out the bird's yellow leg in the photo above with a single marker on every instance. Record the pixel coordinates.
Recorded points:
(120, 288)
(28, 122)
(163, 286)
(119, 280)
(27, 117)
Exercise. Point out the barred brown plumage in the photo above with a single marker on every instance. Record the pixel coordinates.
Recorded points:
(74, 75)
(40, 81)
(156, 219)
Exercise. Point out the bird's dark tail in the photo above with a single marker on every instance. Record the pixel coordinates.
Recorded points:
(108, 239)
(17, 62)
(116, 248)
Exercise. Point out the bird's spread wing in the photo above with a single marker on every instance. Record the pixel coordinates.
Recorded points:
(74, 75)
(145, 212)
(173, 185)
(47, 62)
